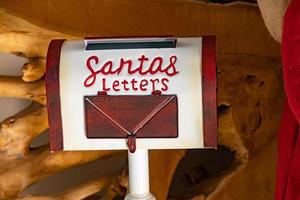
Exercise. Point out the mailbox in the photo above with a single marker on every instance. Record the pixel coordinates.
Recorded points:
(119, 93)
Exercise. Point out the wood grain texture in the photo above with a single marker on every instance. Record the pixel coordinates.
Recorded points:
(16, 87)
(108, 185)
(34, 69)
(245, 34)
(163, 164)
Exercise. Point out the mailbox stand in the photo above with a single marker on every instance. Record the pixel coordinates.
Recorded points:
(75, 74)
(139, 176)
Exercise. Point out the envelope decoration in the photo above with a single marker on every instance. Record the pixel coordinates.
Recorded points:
(132, 116)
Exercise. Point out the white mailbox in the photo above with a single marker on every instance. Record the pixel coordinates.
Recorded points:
(132, 93)
(100, 91)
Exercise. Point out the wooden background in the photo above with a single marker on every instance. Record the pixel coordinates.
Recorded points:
(250, 98)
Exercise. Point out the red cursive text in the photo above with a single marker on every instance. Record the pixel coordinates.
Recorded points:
(143, 68)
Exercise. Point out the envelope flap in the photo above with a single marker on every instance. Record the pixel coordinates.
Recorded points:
(131, 112)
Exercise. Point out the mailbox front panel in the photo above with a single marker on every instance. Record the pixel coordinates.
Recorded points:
(187, 71)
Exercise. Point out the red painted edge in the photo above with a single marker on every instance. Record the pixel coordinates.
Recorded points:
(53, 95)
(209, 91)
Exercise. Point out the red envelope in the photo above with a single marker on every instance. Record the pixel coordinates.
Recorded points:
(146, 116)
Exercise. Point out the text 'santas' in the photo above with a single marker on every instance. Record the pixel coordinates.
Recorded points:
(140, 75)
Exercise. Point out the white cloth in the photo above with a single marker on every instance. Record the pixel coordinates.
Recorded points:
(273, 12)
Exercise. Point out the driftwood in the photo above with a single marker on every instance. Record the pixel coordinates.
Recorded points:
(109, 184)
(249, 93)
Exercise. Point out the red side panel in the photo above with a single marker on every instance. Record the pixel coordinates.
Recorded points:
(209, 90)
(53, 95)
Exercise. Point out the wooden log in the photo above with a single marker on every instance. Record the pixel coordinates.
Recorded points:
(244, 34)
(34, 69)
(16, 87)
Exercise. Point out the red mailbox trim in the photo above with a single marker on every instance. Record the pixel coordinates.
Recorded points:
(53, 95)
(209, 91)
